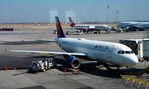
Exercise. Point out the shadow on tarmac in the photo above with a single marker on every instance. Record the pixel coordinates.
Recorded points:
(90, 68)
(94, 69)
(25, 42)
(34, 87)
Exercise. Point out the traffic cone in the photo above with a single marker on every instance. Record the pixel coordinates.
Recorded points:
(5, 68)
(64, 69)
(73, 71)
(14, 68)
(79, 70)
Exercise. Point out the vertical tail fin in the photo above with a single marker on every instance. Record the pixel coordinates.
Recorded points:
(60, 33)
(71, 22)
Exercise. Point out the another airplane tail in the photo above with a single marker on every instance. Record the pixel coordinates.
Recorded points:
(71, 22)
(60, 33)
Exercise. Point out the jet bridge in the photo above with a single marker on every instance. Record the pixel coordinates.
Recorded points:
(139, 46)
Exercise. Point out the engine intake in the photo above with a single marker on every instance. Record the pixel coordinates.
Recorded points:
(73, 62)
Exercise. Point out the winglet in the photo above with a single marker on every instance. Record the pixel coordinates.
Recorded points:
(71, 22)
(60, 33)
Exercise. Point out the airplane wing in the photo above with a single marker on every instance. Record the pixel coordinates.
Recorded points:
(47, 52)
(46, 40)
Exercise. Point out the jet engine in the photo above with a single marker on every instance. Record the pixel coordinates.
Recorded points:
(73, 62)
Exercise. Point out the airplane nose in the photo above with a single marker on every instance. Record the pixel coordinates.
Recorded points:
(133, 60)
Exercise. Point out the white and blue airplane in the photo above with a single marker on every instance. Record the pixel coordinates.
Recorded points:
(101, 51)
(86, 28)
(133, 24)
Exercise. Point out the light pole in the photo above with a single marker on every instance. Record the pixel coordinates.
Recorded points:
(108, 7)
(117, 16)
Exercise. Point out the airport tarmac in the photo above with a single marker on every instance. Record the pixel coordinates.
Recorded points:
(90, 76)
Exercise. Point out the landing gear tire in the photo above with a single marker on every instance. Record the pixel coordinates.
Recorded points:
(99, 63)
(43, 70)
(141, 60)
(139, 74)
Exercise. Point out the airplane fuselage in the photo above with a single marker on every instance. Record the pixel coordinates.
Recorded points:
(143, 25)
(84, 27)
(99, 50)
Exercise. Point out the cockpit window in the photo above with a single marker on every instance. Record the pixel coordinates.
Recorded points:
(122, 52)
(131, 52)
(119, 52)
(128, 52)
(125, 52)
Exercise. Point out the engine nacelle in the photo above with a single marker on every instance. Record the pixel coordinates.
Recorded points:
(73, 62)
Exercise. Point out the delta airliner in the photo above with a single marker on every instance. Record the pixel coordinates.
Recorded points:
(101, 51)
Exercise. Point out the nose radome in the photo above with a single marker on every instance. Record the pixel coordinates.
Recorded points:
(134, 60)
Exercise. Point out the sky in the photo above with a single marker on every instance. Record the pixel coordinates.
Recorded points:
(85, 10)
